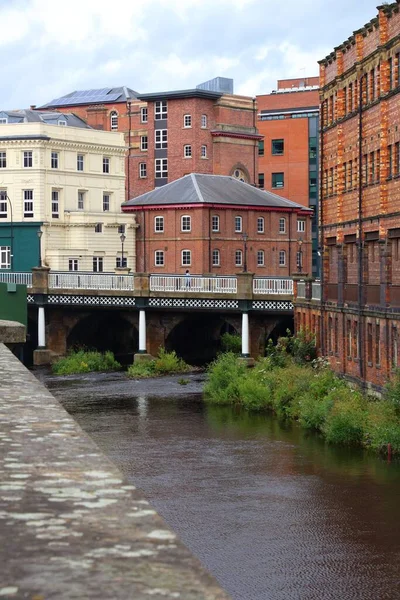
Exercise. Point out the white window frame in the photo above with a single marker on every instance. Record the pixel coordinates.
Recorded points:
(28, 196)
(144, 143)
(98, 264)
(3, 160)
(81, 200)
(121, 263)
(73, 264)
(106, 202)
(187, 151)
(204, 121)
(160, 110)
(158, 224)
(144, 115)
(55, 204)
(5, 257)
(161, 168)
(282, 258)
(203, 151)
(301, 225)
(186, 223)
(3, 120)
(3, 204)
(186, 258)
(160, 139)
(28, 159)
(260, 258)
(216, 258)
(282, 225)
(159, 258)
(54, 160)
(238, 224)
(62, 123)
(142, 170)
(187, 121)
(215, 223)
(238, 258)
(80, 162)
(260, 225)
(113, 120)
(106, 164)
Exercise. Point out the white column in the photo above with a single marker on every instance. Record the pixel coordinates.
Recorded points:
(41, 328)
(142, 332)
(245, 334)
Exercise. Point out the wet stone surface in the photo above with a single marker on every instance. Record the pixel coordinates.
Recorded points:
(71, 526)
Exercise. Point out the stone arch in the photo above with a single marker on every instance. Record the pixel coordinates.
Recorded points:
(280, 328)
(243, 173)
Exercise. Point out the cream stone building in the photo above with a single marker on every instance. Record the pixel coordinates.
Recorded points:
(66, 180)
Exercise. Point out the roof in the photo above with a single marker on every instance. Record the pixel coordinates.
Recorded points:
(49, 118)
(198, 188)
(193, 93)
(100, 96)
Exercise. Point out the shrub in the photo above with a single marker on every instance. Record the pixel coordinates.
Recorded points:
(383, 427)
(85, 361)
(223, 379)
(231, 342)
(141, 369)
(166, 362)
(392, 392)
(345, 422)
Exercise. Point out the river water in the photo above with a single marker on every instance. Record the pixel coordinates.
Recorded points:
(273, 513)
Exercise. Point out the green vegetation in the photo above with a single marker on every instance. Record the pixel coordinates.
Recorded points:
(231, 342)
(85, 361)
(165, 363)
(294, 386)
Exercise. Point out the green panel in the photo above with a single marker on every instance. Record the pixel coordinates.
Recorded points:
(24, 242)
(13, 304)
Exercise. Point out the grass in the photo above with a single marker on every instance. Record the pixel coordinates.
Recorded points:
(85, 361)
(166, 363)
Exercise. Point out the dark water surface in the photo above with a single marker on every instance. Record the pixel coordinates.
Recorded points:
(271, 512)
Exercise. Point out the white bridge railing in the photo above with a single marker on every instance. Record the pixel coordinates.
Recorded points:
(90, 281)
(193, 284)
(316, 290)
(18, 278)
(272, 286)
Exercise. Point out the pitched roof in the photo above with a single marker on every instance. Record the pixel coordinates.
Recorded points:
(198, 188)
(37, 116)
(100, 96)
(175, 94)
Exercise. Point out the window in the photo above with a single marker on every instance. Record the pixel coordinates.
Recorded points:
(3, 120)
(161, 138)
(3, 204)
(301, 225)
(142, 170)
(395, 347)
(216, 258)
(143, 143)
(114, 120)
(349, 339)
(238, 258)
(186, 258)
(299, 260)
(73, 264)
(159, 258)
(79, 162)
(5, 257)
(28, 203)
(186, 224)
(121, 262)
(160, 111)
(261, 148)
(282, 225)
(260, 225)
(260, 258)
(55, 204)
(28, 159)
(81, 200)
(106, 164)
(187, 120)
(161, 169)
(204, 121)
(97, 264)
(54, 160)
(98, 228)
(215, 223)
(106, 202)
(62, 123)
(261, 180)
(187, 151)
(3, 160)
(143, 114)
(277, 147)
(282, 258)
(158, 224)
(238, 224)
(121, 229)
(377, 344)
(204, 152)
(277, 180)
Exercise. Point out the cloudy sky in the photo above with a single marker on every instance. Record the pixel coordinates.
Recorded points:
(51, 48)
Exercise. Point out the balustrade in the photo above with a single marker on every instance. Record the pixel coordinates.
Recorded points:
(269, 285)
(193, 284)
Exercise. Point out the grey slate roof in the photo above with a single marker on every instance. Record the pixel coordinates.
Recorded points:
(99, 96)
(36, 116)
(211, 189)
(194, 93)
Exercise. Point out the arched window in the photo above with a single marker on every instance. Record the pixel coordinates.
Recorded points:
(114, 119)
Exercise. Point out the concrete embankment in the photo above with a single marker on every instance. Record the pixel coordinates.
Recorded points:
(71, 526)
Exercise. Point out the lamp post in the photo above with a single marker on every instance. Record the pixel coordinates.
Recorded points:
(245, 238)
(122, 237)
(39, 234)
(300, 256)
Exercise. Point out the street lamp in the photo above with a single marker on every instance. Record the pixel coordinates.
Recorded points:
(39, 234)
(122, 237)
(245, 238)
(300, 256)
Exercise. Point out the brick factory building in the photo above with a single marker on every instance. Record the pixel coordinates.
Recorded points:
(288, 153)
(205, 130)
(220, 225)
(358, 316)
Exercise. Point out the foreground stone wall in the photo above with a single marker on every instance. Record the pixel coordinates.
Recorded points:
(71, 526)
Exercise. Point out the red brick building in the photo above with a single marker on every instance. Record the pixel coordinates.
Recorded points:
(288, 154)
(358, 316)
(170, 134)
(220, 225)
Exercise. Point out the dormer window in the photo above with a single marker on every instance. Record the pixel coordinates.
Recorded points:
(3, 120)
(62, 123)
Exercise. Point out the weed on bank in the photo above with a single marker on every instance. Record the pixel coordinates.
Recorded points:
(85, 361)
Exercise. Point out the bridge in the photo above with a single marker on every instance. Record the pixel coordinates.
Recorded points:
(143, 311)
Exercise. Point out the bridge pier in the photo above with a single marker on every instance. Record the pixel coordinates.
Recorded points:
(142, 353)
(245, 335)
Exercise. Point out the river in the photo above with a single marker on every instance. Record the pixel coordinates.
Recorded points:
(273, 513)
